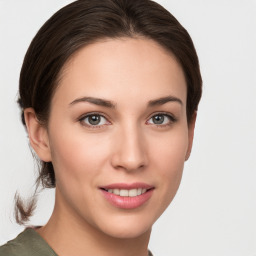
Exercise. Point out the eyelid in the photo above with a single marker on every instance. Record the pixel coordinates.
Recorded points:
(82, 117)
(170, 116)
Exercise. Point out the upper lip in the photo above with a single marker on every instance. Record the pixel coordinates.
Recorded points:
(127, 186)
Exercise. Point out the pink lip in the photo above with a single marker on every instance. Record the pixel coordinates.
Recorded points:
(127, 186)
(127, 202)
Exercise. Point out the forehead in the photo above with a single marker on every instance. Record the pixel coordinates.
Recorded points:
(124, 66)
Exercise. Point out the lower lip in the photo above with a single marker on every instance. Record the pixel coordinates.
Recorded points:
(126, 202)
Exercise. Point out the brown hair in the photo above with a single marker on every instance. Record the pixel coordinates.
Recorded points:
(84, 22)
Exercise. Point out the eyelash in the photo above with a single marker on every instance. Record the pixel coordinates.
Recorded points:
(82, 120)
(170, 117)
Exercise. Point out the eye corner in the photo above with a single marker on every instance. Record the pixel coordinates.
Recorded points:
(97, 121)
(163, 119)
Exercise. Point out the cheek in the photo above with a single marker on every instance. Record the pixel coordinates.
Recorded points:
(76, 157)
(169, 151)
(78, 161)
(169, 156)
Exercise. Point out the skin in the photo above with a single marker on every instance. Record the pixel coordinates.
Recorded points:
(127, 147)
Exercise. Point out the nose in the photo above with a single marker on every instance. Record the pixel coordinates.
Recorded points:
(129, 150)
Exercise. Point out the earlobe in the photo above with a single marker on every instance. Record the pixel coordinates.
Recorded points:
(38, 135)
(191, 128)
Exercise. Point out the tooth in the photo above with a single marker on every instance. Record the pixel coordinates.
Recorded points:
(133, 192)
(116, 191)
(124, 192)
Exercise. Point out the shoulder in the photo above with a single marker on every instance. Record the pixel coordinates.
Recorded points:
(13, 247)
(25, 244)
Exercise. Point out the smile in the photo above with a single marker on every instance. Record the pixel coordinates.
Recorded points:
(127, 196)
(127, 192)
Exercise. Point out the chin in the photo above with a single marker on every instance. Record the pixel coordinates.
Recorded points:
(125, 232)
(127, 226)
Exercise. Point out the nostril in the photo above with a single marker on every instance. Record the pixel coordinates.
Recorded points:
(130, 155)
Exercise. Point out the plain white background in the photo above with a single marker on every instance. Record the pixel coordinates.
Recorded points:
(214, 212)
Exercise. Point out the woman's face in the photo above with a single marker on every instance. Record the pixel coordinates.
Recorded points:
(118, 135)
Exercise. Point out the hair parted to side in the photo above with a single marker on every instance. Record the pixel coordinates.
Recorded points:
(84, 22)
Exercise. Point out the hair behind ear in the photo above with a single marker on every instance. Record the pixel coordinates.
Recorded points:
(191, 128)
(38, 135)
(38, 139)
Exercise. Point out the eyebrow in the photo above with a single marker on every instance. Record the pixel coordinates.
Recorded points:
(96, 101)
(110, 104)
(164, 100)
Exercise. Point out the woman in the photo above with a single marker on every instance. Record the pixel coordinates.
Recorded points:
(108, 92)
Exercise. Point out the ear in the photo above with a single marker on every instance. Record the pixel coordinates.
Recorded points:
(38, 135)
(191, 128)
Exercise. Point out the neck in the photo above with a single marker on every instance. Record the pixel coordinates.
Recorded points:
(69, 235)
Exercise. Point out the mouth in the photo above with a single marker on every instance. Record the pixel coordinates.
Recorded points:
(127, 192)
(127, 196)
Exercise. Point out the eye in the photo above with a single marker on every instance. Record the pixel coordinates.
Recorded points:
(161, 119)
(94, 120)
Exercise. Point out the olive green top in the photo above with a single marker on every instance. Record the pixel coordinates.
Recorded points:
(29, 243)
